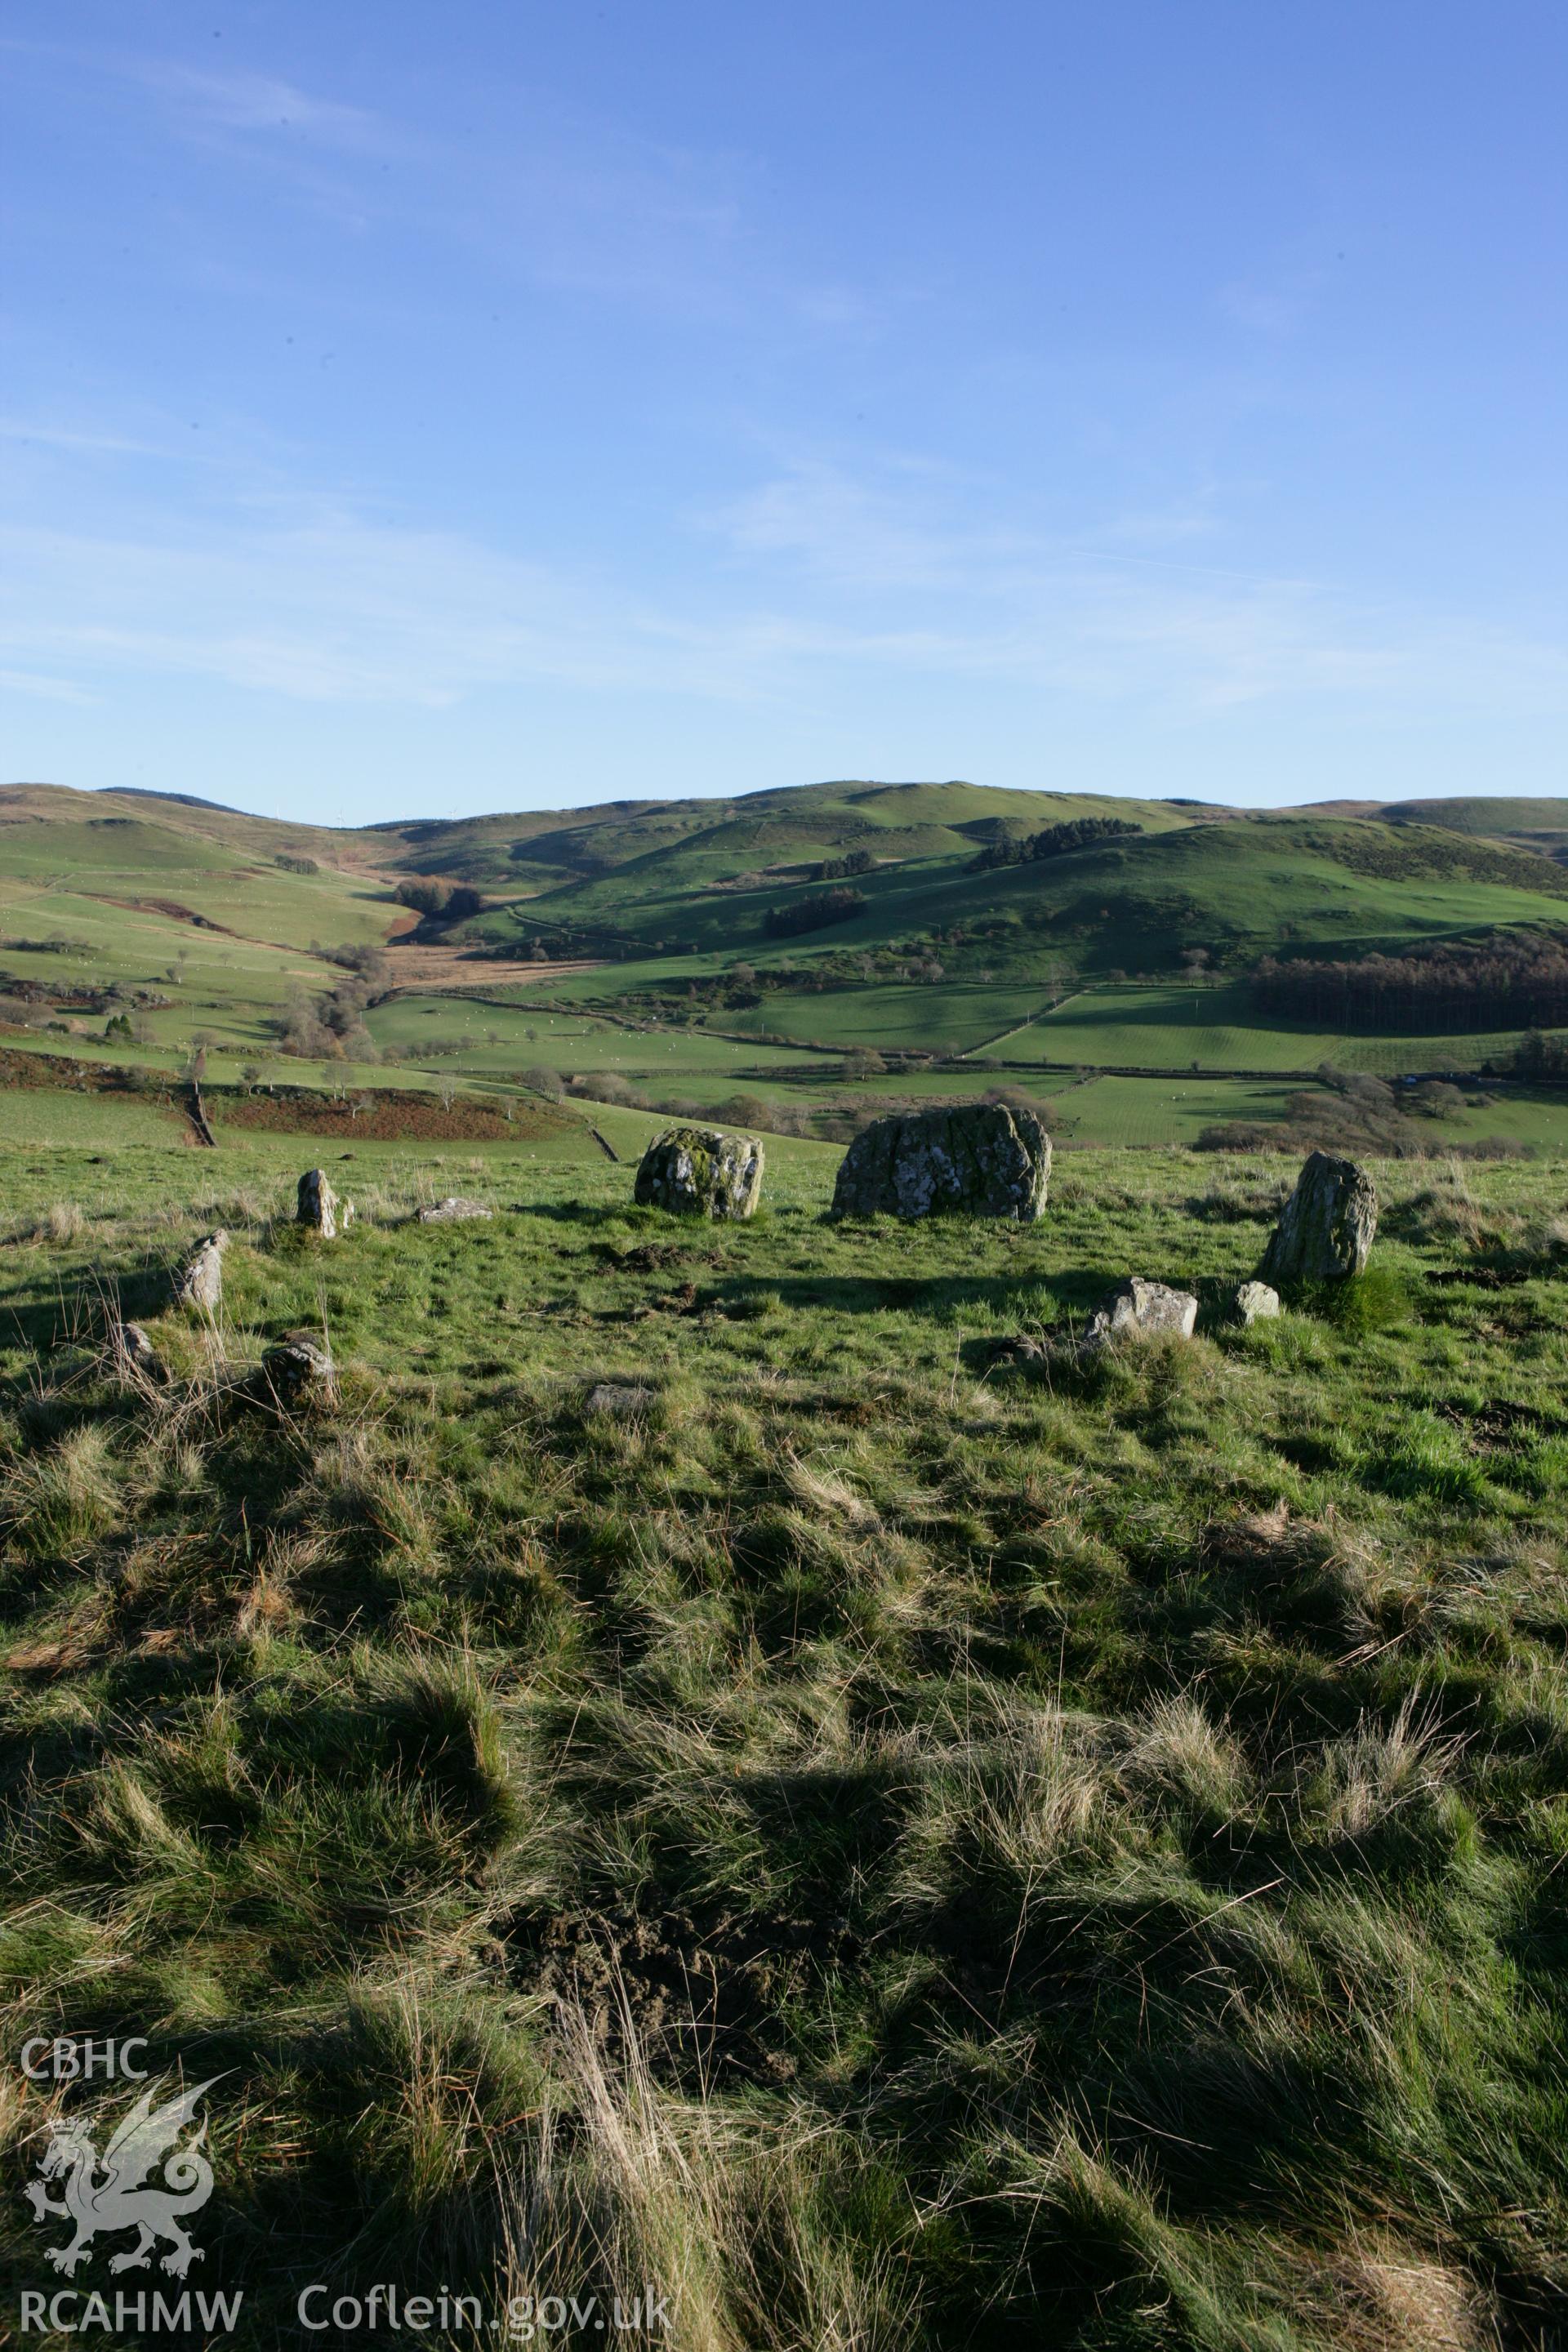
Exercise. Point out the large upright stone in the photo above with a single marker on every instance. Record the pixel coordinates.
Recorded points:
(1326, 1228)
(319, 1209)
(700, 1172)
(984, 1159)
(199, 1282)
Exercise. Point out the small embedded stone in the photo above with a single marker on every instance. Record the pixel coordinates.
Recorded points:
(1138, 1309)
(300, 1370)
(130, 1353)
(623, 1400)
(452, 1210)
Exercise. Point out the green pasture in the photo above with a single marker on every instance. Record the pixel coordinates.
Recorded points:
(1243, 887)
(502, 1038)
(939, 1016)
(1166, 1028)
(45, 1118)
(1172, 1028)
(1101, 1111)
(83, 869)
(226, 1064)
(1142, 1112)
(1388, 1057)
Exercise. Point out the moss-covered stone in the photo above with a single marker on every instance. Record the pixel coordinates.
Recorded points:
(699, 1172)
(1326, 1228)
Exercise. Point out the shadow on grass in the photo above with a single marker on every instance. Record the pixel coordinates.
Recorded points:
(872, 1294)
(592, 1215)
(77, 1308)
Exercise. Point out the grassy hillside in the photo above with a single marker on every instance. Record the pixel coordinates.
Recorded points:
(1237, 889)
(194, 924)
(1540, 825)
(881, 1853)
(696, 841)
(189, 907)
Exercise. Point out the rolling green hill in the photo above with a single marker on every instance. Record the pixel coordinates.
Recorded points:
(1238, 888)
(1541, 825)
(1531, 823)
(685, 845)
(197, 922)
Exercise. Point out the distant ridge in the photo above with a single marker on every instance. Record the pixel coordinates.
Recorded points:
(184, 800)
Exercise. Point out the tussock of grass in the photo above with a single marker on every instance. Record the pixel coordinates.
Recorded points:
(62, 1224)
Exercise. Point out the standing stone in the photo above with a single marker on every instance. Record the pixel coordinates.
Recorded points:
(320, 1208)
(700, 1172)
(984, 1159)
(199, 1282)
(1253, 1302)
(1326, 1228)
(1137, 1310)
(300, 1370)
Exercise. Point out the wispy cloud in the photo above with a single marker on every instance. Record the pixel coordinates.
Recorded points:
(203, 98)
(332, 606)
(556, 196)
(818, 577)
(317, 603)
(258, 102)
(1129, 609)
(42, 688)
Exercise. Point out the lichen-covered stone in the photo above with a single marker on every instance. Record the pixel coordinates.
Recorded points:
(622, 1399)
(199, 1282)
(320, 1208)
(300, 1370)
(981, 1159)
(131, 1355)
(1137, 1310)
(452, 1210)
(700, 1172)
(1326, 1228)
(1253, 1302)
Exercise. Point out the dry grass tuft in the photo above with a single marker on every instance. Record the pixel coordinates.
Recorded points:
(1388, 2298)
(1380, 1770)
(62, 1224)
(1178, 1750)
(630, 2189)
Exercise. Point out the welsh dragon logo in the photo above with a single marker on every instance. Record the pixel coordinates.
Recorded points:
(110, 2193)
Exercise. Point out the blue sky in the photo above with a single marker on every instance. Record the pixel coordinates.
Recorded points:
(411, 410)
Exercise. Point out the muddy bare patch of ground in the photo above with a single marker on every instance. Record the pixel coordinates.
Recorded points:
(707, 2000)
